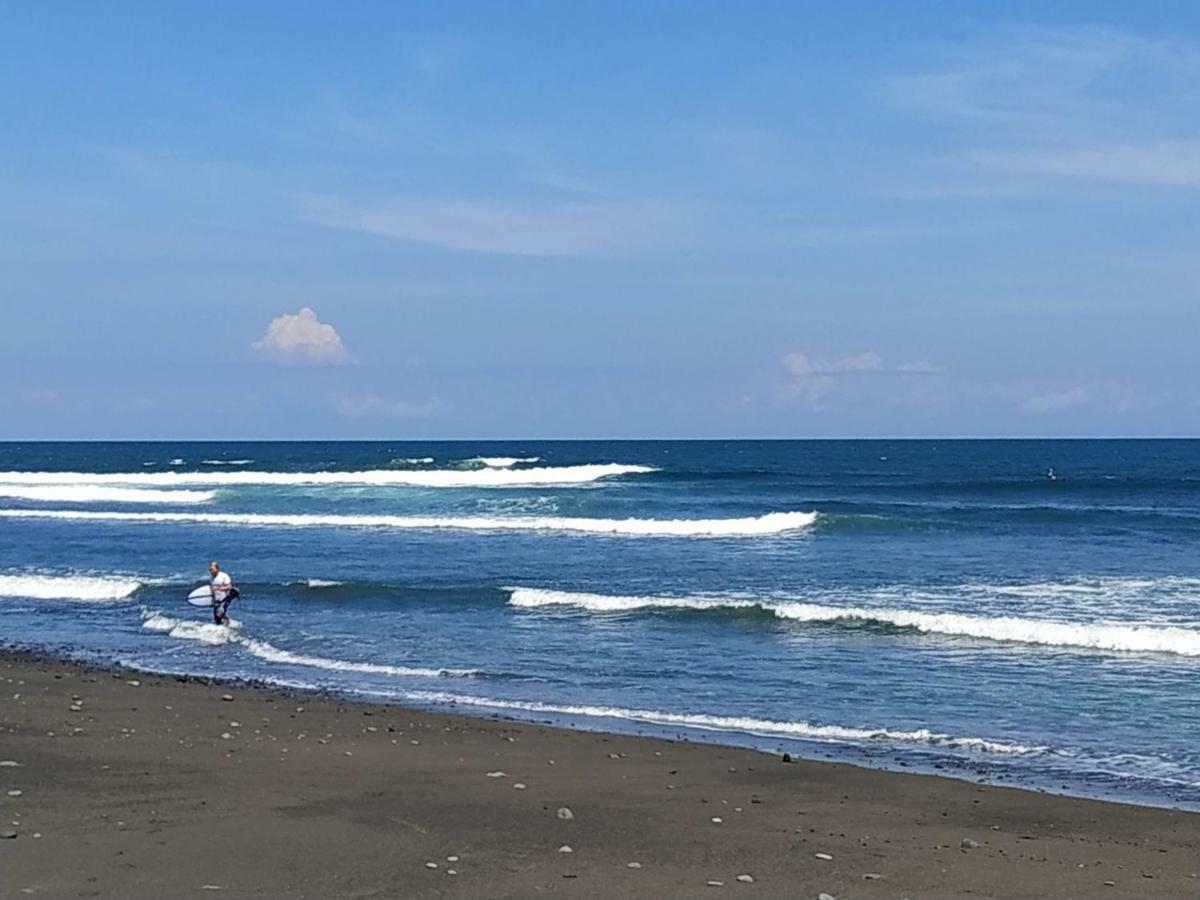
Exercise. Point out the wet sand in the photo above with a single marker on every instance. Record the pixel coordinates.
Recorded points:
(119, 784)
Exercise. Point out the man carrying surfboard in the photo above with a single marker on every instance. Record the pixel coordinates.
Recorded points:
(223, 592)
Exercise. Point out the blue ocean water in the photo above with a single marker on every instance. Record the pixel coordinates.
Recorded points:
(937, 605)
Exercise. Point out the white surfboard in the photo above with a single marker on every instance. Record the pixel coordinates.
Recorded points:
(201, 596)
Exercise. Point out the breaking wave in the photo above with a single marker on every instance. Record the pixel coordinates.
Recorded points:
(771, 523)
(86, 589)
(432, 478)
(1134, 638)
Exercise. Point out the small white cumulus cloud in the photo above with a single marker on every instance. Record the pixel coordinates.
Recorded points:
(814, 379)
(1107, 395)
(302, 338)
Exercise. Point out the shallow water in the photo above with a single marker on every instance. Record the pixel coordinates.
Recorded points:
(941, 605)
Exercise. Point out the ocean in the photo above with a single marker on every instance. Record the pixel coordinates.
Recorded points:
(940, 606)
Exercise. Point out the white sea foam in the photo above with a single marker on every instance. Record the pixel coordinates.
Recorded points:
(741, 724)
(432, 478)
(772, 523)
(504, 462)
(177, 461)
(226, 462)
(95, 493)
(217, 635)
(320, 582)
(415, 460)
(1138, 638)
(82, 588)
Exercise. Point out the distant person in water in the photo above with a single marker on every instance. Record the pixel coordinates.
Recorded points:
(223, 592)
(1050, 474)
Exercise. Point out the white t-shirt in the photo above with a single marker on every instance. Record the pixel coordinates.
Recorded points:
(220, 580)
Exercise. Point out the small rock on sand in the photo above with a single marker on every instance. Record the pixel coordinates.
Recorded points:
(8, 764)
(872, 876)
(717, 820)
(431, 865)
(518, 786)
(825, 896)
(497, 774)
(565, 848)
(14, 793)
(227, 697)
(564, 813)
(746, 879)
(968, 844)
(7, 835)
(133, 682)
(451, 859)
(633, 865)
(715, 883)
(824, 856)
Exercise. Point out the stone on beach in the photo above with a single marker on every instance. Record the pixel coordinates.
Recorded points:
(968, 844)
(565, 848)
(564, 813)
(824, 856)
(746, 879)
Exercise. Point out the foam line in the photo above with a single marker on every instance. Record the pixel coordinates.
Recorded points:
(94, 493)
(741, 724)
(216, 635)
(772, 523)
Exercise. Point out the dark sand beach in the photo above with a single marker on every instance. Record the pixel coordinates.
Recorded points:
(120, 784)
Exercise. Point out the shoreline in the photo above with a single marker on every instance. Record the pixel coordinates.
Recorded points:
(141, 785)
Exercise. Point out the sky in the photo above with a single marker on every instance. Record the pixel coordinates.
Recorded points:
(605, 220)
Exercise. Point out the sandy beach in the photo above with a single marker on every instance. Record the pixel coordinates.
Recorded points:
(121, 784)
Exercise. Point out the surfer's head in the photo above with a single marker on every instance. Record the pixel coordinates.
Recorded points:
(214, 567)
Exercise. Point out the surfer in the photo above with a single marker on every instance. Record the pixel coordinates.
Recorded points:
(223, 592)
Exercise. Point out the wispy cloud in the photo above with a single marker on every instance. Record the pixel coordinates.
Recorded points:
(373, 406)
(1093, 104)
(302, 338)
(812, 380)
(592, 228)
(1103, 395)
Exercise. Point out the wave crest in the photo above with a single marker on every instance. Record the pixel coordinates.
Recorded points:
(1133, 638)
(431, 478)
(86, 589)
(771, 523)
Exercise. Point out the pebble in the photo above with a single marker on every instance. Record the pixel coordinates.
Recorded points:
(749, 879)
(633, 865)
(14, 793)
(8, 763)
(7, 835)
(227, 697)
(75, 707)
(825, 896)
(518, 786)
(824, 856)
(225, 735)
(565, 848)
(431, 865)
(133, 682)
(497, 774)
(968, 844)
(715, 883)
(564, 813)
(872, 876)
(451, 871)
(717, 820)
(451, 859)
(1110, 884)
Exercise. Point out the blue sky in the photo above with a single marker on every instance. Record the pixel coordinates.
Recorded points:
(628, 220)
